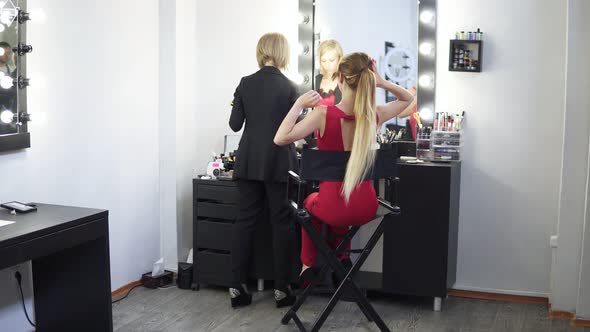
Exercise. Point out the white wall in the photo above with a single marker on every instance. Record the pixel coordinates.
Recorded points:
(177, 127)
(513, 139)
(99, 144)
(186, 120)
(566, 270)
(226, 51)
(167, 130)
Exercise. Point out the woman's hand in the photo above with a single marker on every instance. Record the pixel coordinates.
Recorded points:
(378, 79)
(309, 99)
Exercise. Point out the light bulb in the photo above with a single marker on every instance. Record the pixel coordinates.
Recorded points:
(425, 48)
(427, 16)
(298, 48)
(425, 81)
(301, 49)
(6, 116)
(6, 82)
(426, 113)
(302, 19)
(6, 17)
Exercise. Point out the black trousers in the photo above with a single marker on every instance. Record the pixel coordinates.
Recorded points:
(253, 196)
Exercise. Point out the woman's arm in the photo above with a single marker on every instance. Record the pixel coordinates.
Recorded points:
(236, 119)
(410, 109)
(391, 109)
(291, 131)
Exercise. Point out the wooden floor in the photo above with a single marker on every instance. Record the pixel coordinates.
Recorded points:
(178, 310)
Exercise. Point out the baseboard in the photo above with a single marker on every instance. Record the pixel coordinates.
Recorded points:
(498, 296)
(560, 314)
(580, 322)
(123, 290)
(500, 291)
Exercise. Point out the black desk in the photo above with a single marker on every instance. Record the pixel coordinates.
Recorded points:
(69, 250)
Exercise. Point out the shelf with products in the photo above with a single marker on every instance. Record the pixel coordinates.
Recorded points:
(465, 55)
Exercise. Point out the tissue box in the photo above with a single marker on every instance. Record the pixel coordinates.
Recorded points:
(154, 282)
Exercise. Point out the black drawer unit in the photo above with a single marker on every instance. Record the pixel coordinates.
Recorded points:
(214, 234)
(214, 213)
(214, 267)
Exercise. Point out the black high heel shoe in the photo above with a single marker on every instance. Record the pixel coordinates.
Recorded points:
(286, 301)
(308, 276)
(239, 297)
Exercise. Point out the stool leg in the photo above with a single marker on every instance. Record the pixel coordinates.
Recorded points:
(437, 303)
(304, 219)
(359, 297)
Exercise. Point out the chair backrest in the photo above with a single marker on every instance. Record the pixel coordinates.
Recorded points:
(319, 165)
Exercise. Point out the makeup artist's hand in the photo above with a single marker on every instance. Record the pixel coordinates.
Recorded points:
(375, 70)
(309, 99)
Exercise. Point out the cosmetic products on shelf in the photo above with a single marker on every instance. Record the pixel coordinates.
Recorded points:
(463, 58)
(469, 35)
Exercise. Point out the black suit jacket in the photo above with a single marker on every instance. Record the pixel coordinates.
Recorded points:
(262, 100)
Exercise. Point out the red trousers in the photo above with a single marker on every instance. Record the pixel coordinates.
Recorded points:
(329, 207)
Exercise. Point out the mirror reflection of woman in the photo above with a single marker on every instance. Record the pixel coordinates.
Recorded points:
(330, 53)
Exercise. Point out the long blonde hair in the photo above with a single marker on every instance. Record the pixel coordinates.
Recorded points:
(355, 69)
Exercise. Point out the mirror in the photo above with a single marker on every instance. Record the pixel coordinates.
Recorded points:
(13, 48)
(391, 38)
(8, 68)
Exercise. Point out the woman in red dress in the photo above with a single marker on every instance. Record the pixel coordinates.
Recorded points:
(349, 126)
(326, 82)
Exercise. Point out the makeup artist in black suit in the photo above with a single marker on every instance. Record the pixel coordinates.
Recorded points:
(262, 100)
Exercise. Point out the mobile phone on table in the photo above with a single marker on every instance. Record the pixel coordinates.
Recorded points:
(18, 207)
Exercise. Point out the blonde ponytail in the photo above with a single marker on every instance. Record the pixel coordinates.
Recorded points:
(362, 155)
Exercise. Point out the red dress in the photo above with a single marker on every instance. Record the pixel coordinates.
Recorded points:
(328, 100)
(328, 205)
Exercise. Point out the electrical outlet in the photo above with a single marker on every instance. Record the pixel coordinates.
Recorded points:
(554, 241)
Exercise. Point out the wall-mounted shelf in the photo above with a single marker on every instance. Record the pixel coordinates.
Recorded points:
(465, 55)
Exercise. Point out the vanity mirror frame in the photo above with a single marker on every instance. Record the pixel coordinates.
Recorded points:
(22, 138)
(427, 17)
